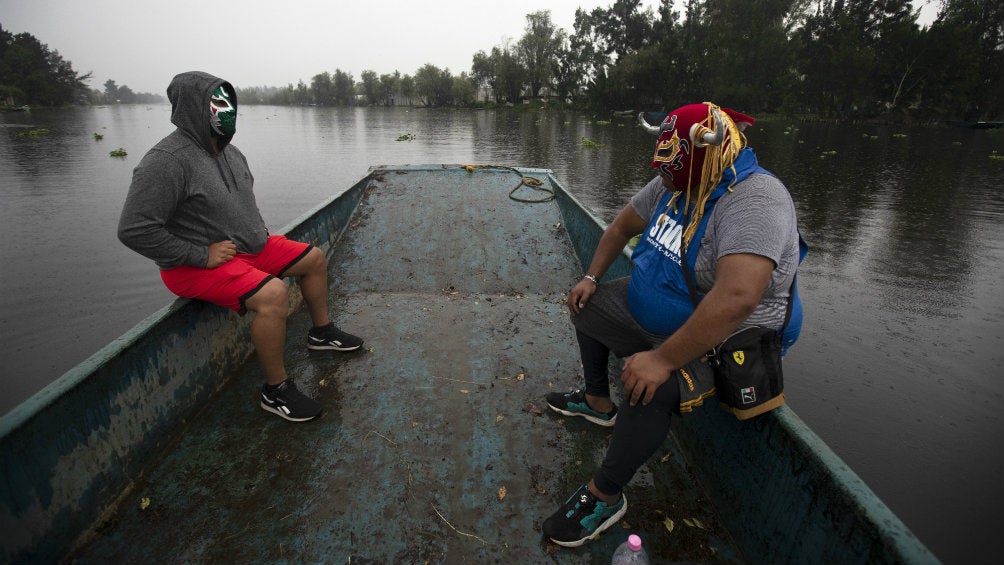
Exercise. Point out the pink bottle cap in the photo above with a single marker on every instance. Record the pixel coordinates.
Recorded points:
(634, 542)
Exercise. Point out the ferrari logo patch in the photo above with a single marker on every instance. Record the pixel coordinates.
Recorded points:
(739, 357)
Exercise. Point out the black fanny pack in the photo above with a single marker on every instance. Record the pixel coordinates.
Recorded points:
(747, 367)
(747, 364)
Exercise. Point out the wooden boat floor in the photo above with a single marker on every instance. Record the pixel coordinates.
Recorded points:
(435, 445)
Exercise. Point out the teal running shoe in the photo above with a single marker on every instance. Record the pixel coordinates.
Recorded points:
(574, 404)
(581, 518)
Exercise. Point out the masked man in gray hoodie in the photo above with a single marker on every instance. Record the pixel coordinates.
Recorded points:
(191, 209)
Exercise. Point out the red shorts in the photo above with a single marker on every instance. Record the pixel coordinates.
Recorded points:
(235, 281)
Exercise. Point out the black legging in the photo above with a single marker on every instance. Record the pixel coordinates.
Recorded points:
(640, 429)
(638, 433)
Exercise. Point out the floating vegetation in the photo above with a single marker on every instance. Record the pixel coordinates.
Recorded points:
(405, 137)
(118, 152)
(899, 135)
(589, 143)
(98, 137)
(38, 132)
(826, 154)
(996, 156)
(957, 143)
(869, 136)
(603, 122)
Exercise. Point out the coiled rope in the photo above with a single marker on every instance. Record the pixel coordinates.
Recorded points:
(529, 182)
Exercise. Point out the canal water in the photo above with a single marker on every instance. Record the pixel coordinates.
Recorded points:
(899, 363)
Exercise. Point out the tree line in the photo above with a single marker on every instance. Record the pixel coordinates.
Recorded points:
(831, 58)
(33, 75)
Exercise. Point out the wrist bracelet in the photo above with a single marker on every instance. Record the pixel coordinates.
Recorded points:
(592, 278)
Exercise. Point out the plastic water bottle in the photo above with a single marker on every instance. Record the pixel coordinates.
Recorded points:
(631, 552)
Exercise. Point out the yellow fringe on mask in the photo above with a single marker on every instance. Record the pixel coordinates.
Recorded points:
(717, 159)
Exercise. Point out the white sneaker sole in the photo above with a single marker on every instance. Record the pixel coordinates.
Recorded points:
(330, 347)
(282, 414)
(605, 423)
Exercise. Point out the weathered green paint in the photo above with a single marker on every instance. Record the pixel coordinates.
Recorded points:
(70, 451)
(458, 292)
(780, 490)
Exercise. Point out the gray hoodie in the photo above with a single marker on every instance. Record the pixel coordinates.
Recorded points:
(183, 195)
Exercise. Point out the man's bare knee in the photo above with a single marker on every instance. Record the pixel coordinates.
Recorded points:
(313, 262)
(319, 258)
(272, 299)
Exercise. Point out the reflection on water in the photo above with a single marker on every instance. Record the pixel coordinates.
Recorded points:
(902, 340)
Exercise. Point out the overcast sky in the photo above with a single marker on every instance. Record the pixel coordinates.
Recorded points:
(143, 43)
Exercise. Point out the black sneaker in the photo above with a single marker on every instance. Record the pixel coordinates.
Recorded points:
(285, 400)
(581, 518)
(574, 404)
(330, 337)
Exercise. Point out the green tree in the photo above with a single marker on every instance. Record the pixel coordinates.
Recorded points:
(483, 74)
(538, 50)
(587, 48)
(322, 89)
(633, 83)
(343, 88)
(835, 60)
(604, 36)
(302, 93)
(623, 27)
(370, 87)
(407, 88)
(464, 90)
(35, 75)
(434, 86)
(964, 56)
(111, 91)
(511, 76)
(901, 46)
(751, 66)
(502, 72)
(126, 95)
(569, 72)
(388, 86)
(665, 69)
(845, 58)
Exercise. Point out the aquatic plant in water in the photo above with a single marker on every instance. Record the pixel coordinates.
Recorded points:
(38, 132)
(118, 152)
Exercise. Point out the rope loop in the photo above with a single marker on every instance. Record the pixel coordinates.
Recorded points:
(527, 181)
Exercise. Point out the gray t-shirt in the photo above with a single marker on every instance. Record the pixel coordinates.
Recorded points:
(757, 217)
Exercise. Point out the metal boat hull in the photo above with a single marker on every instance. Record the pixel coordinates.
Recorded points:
(433, 446)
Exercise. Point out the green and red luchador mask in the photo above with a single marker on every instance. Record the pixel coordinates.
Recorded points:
(222, 112)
